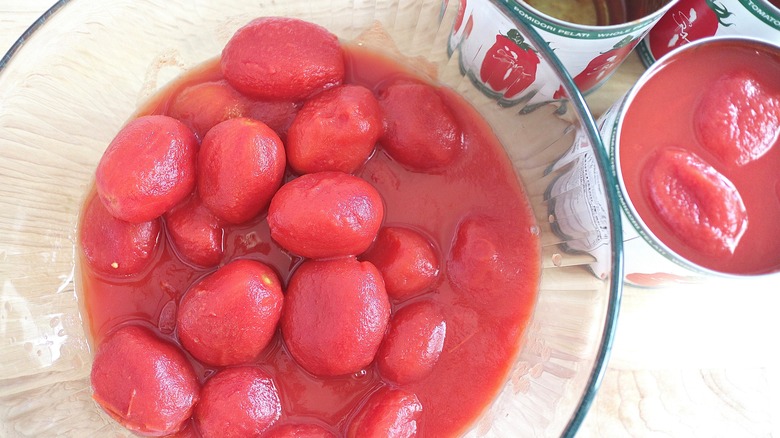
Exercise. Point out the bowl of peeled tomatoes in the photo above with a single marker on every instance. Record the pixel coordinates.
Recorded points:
(299, 219)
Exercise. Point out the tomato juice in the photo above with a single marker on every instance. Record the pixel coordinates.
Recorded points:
(710, 114)
(484, 329)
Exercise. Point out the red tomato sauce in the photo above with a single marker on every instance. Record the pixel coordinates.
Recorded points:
(663, 115)
(484, 333)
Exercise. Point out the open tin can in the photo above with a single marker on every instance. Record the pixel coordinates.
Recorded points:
(695, 147)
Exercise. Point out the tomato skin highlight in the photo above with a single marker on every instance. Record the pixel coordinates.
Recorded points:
(147, 168)
(145, 383)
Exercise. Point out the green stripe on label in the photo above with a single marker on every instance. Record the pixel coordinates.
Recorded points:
(579, 32)
(763, 12)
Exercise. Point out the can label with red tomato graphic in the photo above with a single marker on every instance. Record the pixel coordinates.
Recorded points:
(502, 62)
(691, 20)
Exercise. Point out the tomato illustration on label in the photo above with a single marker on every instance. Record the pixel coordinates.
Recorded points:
(510, 65)
(459, 17)
(601, 66)
(687, 21)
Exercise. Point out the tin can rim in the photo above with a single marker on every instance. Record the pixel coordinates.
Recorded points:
(614, 151)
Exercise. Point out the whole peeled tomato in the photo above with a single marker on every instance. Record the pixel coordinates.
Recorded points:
(335, 315)
(486, 257)
(406, 259)
(420, 130)
(413, 343)
(300, 430)
(388, 413)
(325, 214)
(738, 119)
(335, 130)
(148, 168)
(282, 59)
(195, 232)
(201, 106)
(145, 383)
(230, 316)
(240, 166)
(697, 203)
(238, 402)
(112, 246)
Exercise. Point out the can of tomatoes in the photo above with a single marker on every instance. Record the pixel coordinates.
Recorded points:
(505, 64)
(691, 20)
(695, 148)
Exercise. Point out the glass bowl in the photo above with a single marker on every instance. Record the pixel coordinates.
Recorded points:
(79, 73)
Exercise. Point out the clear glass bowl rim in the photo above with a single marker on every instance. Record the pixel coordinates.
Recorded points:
(608, 179)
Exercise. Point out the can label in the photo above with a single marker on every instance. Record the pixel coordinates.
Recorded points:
(505, 64)
(691, 20)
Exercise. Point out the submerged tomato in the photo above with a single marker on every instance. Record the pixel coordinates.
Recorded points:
(738, 119)
(698, 205)
(388, 413)
(115, 247)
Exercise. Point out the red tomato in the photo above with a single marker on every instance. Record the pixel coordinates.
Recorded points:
(201, 106)
(115, 247)
(413, 343)
(406, 259)
(237, 403)
(420, 130)
(335, 130)
(279, 58)
(195, 232)
(738, 119)
(485, 257)
(240, 166)
(388, 413)
(335, 315)
(148, 168)
(686, 21)
(698, 204)
(143, 382)
(326, 214)
(230, 316)
(300, 430)
(510, 65)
